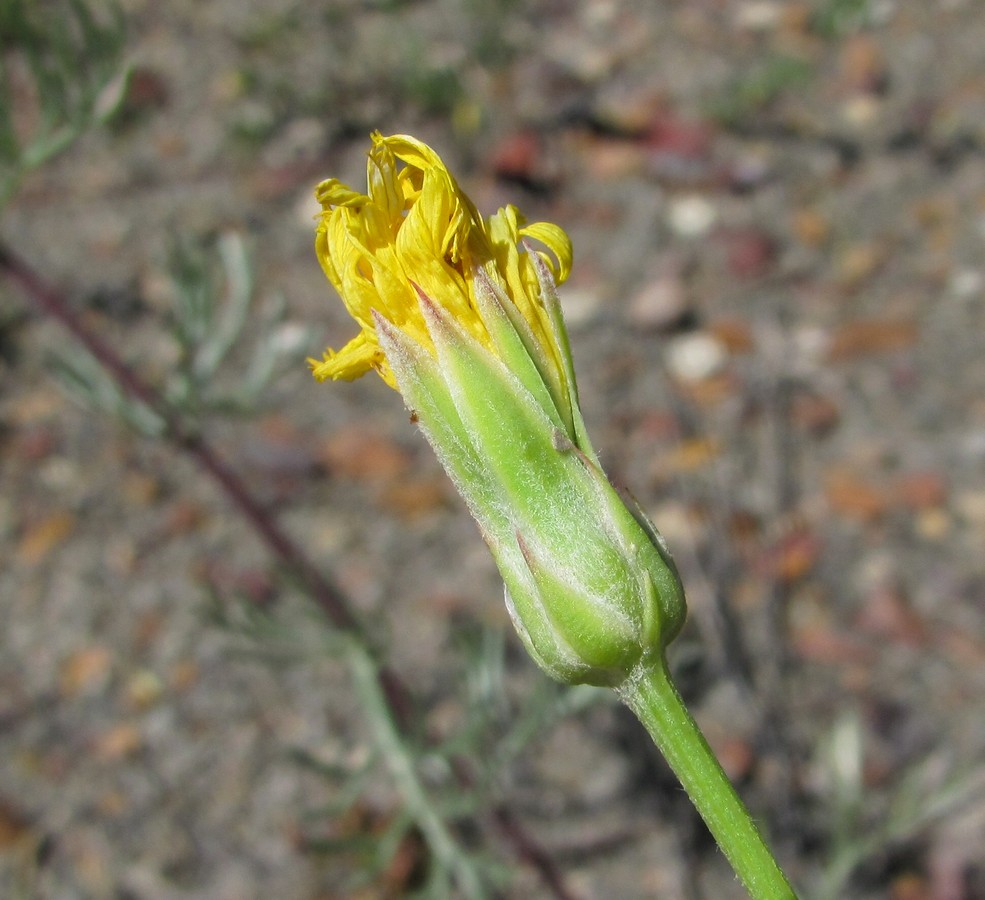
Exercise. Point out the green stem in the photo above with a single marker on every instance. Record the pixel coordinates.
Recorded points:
(453, 858)
(652, 696)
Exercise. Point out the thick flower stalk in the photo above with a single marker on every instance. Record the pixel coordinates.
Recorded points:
(460, 313)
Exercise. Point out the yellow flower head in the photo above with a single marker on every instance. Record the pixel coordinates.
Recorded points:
(463, 317)
(414, 229)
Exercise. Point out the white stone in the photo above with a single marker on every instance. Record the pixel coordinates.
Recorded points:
(759, 15)
(966, 283)
(693, 357)
(691, 215)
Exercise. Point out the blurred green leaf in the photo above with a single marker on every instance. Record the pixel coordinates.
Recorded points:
(838, 18)
(219, 368)
(759, 86)
(58, 62)
(88, 382)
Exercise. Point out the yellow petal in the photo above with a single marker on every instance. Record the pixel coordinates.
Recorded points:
(331, 192)
(556, 239)
(355, 359)
(415, 228)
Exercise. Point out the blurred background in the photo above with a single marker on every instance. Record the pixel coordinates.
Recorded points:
(778, 214)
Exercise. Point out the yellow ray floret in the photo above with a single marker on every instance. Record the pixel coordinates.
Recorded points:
(414, 226)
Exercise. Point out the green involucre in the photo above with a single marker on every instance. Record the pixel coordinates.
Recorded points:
(589, 591)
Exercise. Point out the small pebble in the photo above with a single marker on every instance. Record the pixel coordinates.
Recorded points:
(759, 15)
(143, 689)
(693, 357)
(861, 110)
(933, 524)
(691, 216)
(966, 283)
(971, 507)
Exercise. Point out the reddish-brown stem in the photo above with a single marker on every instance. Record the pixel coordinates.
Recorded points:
(327, 595)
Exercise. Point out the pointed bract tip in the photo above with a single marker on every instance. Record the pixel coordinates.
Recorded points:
(488, 287)
(391, 338)
(538, 260)
(421, 293)
(382, 323)
(437, 319)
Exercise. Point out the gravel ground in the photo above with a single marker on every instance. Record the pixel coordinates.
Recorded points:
(778, 212)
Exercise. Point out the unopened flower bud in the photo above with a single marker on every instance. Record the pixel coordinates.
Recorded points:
(462, 316)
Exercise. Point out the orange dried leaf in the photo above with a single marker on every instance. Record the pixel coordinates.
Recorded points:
(84, 671)
(794, 555)
(409, 498)
(119, 742)
(921, 490)
(872, 336)
(810, 227)
(40, 539)
(734, 334)
(15, 827)
(851, 496)
(691, 455)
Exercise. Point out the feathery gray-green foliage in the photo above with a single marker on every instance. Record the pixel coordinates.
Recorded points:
(60, 73)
